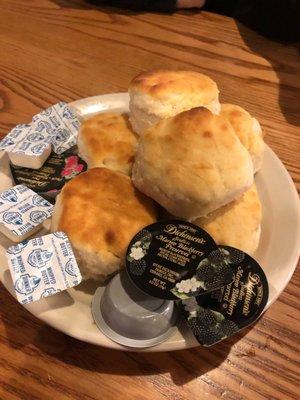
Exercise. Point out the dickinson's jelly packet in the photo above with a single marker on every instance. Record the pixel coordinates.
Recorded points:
(42, 267)
(175, 260)
(22, 212)
(29, 145)
(219, 289)
(215, 316)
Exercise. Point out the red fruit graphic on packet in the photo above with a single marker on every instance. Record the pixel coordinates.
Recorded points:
(72, 167)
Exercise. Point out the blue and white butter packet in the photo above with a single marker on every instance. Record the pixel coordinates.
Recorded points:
(29, 145)
(61, 123)
(26, 147)
(14, 136)
(42, 267)
(22, 212)
(32, 149)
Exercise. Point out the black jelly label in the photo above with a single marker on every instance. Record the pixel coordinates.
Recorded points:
(217, 315)
(56, 171)
(176, 260)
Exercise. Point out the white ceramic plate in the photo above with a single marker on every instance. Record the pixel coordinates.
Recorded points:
(278, 252)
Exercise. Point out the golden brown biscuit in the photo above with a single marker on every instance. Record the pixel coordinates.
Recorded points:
(100, 211)
(107, 140)
(248, 130)
(237, 224)
(192, 164)
(156, 95)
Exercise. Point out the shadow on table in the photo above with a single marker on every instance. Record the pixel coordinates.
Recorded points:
(25, 331)
(284, 59)
(90, 5)
(79, 4)
(286, 68)
(111, 10)
(182, 365)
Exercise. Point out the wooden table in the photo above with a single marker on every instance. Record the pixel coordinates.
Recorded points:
(55, 50)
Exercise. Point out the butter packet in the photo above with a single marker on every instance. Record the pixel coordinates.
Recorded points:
(14, 136)
(61, 123)
(26, 147)
(22, 212)
(42, 267)
(29, 145)
(217, 315)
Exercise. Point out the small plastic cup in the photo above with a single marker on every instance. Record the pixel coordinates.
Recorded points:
(130, 317)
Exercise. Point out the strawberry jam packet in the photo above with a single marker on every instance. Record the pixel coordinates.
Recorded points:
(48, 180)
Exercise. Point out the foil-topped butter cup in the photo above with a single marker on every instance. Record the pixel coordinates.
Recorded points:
(130, 317)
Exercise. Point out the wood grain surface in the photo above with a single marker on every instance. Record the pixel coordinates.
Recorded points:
(53, 50)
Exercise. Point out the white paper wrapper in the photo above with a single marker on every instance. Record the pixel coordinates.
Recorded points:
(42, 267)
(61, 123)
(22, 212)
(58, 125)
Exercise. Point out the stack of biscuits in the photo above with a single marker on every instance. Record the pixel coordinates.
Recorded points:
(179, 149)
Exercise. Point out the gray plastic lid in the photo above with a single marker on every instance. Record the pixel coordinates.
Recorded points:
(130, 317)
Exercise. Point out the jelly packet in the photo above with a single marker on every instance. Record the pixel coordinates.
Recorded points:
(42, 267)
(175, 260)
(218, 289)
(215, 316)
(48, 180)
(22, 212)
